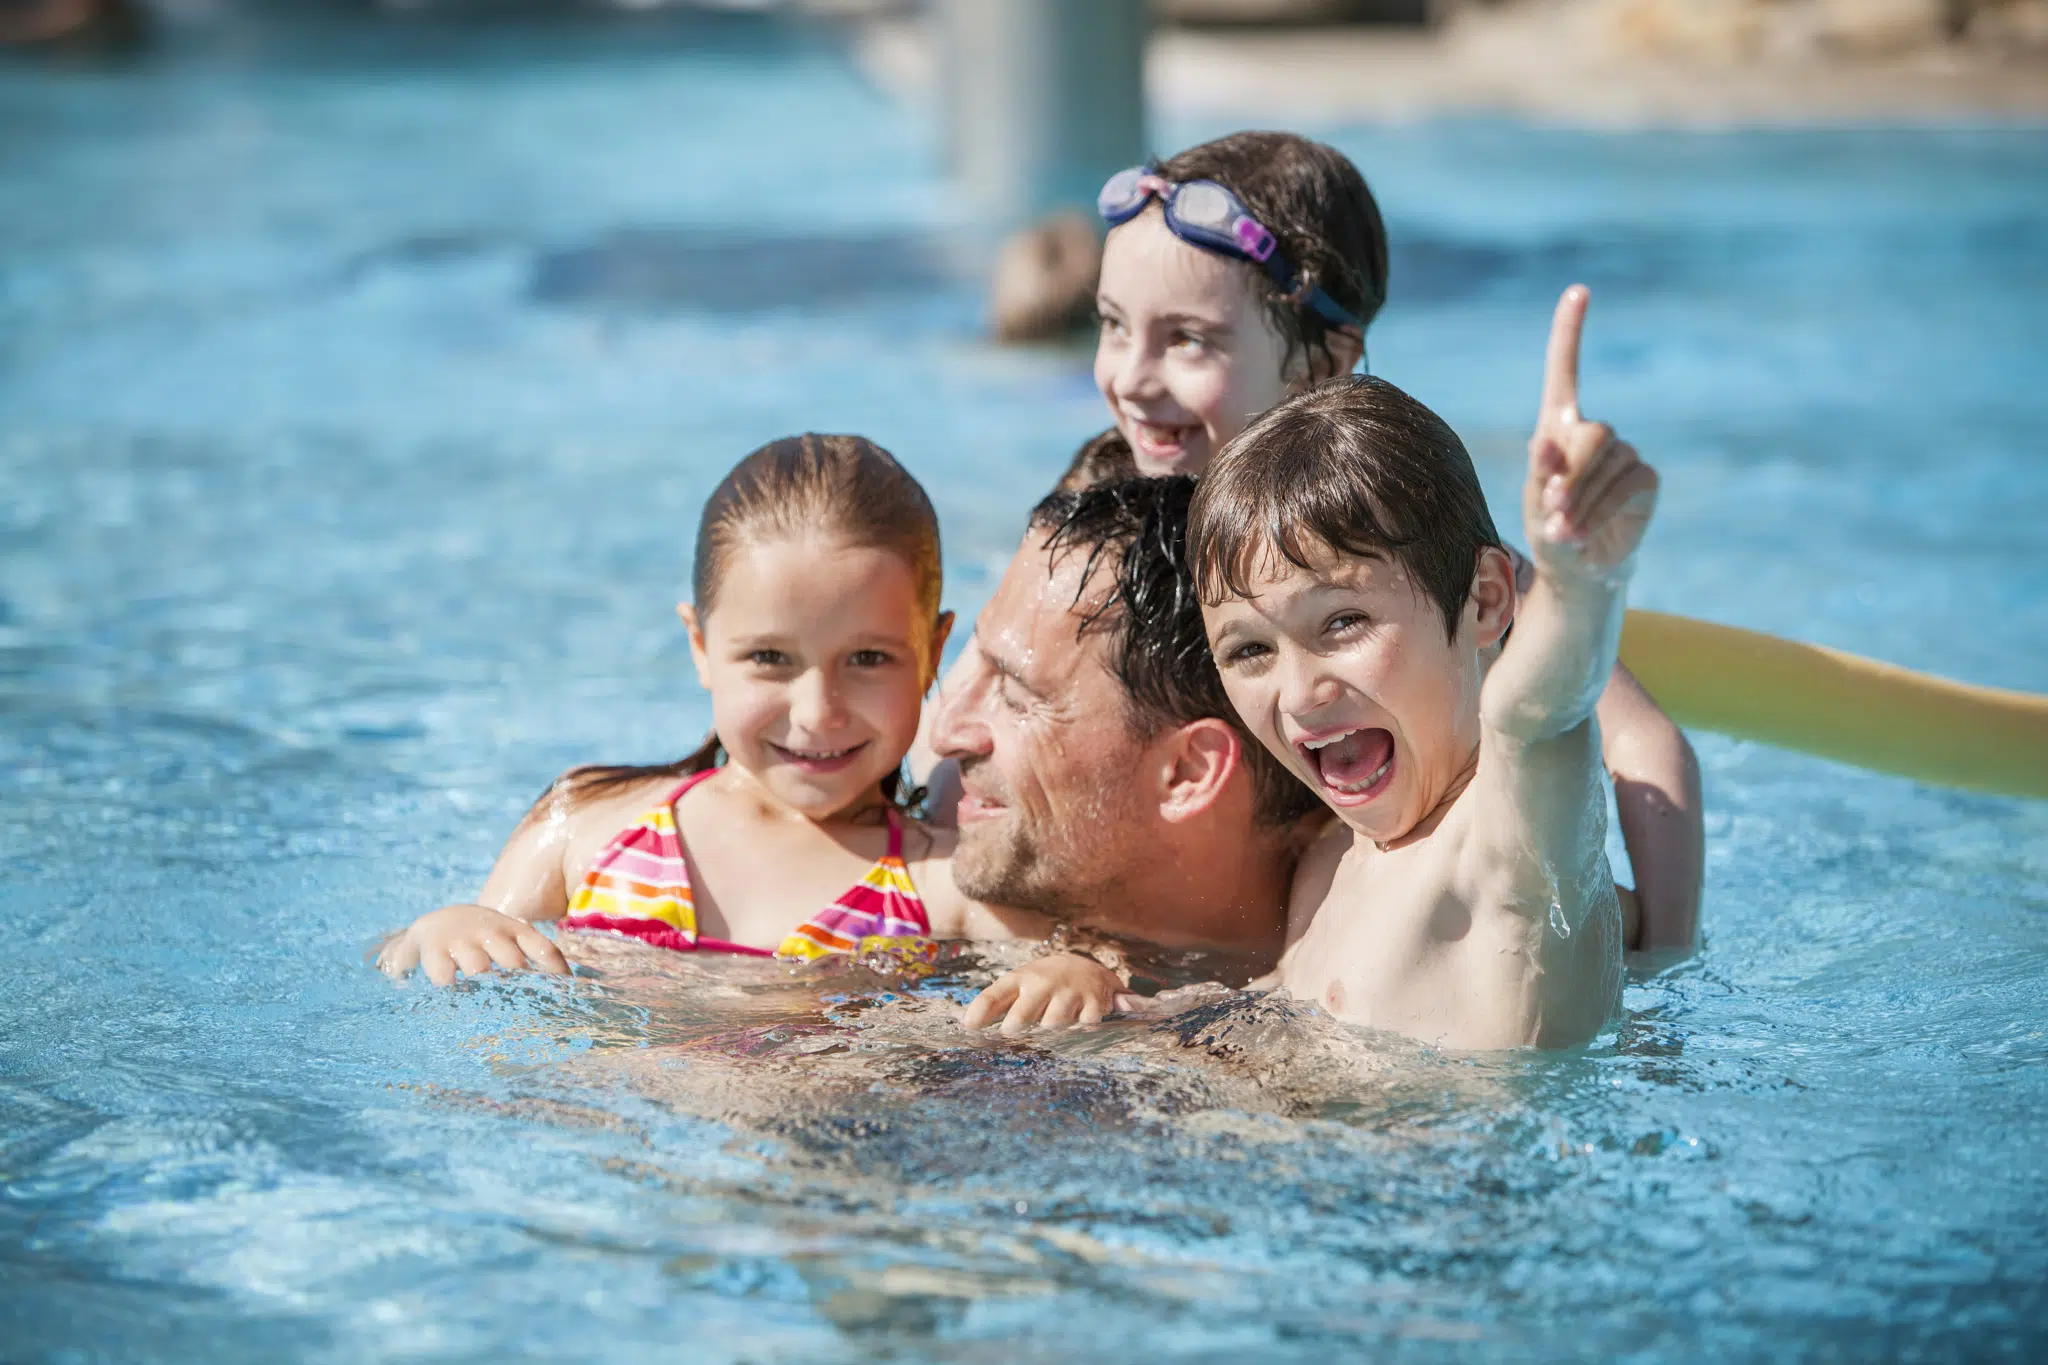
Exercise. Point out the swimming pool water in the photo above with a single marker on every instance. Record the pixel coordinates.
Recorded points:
(358, 389)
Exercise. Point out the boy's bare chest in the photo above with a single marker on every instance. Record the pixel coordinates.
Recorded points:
(1370, 936)
(1398, 943)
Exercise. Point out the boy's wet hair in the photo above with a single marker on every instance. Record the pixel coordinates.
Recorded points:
(1314, 201)
(1353, 466)
(842, 488)
(1136, 529)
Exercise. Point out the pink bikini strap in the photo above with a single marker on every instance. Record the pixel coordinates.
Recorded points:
(692, 780)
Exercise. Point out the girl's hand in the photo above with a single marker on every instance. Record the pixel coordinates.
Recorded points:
(470, 939)
(1054, 991)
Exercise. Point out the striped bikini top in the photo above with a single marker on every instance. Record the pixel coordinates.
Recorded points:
(639, 886)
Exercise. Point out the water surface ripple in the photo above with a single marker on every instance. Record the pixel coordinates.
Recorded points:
(356, 400)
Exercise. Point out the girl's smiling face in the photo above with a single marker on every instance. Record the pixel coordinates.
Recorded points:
(1187, 354)
(817, 664)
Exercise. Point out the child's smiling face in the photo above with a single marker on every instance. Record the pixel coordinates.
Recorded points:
(1187, 354)
(817, 663)
(1345, 672)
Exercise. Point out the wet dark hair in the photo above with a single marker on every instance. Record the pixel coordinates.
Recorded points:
(1317, 205)
(1158, 649)
(844, 487)
(1352, 465)
(1103, 458)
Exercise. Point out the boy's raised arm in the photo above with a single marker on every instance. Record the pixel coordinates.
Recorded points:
(1585, 505)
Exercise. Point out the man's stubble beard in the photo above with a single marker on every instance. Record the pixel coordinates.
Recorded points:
(1006, 863)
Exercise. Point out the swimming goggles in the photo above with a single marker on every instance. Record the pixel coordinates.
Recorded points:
(1203, 213)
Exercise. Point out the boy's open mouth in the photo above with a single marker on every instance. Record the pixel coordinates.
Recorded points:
(817, 760)
(1355, 766)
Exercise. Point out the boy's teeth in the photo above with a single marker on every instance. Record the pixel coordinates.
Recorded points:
(1353, 788)
(1327, 741)
(1353, 761)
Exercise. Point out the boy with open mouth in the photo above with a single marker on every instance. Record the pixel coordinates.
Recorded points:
(1357, 601)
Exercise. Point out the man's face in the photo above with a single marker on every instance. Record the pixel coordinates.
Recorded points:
(1344, 671)
(1052, 816)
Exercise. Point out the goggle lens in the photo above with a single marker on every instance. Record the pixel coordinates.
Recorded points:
(1121, 193)
(1204, 204)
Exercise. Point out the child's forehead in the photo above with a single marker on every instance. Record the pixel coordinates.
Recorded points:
(1144, 264)
(1313, 566)
(810, 566)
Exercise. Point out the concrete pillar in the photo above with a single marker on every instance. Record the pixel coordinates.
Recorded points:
(1043, 100)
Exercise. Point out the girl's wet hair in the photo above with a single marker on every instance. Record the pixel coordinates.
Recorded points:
(1352, 466)
(1314, 201)
(842, 488)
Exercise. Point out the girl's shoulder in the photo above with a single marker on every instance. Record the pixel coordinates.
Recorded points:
(587, 799)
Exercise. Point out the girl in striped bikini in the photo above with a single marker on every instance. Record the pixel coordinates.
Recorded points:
(816, 628)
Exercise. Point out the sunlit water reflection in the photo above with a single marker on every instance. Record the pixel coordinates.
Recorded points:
(356, 401)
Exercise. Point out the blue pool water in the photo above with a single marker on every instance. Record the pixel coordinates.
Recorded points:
(358, 389)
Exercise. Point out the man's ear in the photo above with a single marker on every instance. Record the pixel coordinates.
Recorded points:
(698, 654)
(1344, 345)
(1490, 606)
(1195, 764)
(941, 632)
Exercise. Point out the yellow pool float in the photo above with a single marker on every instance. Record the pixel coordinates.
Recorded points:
(1822, 701)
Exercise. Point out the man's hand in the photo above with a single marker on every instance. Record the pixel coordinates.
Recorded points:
(1062, 989)
(1589, 495)
(471, 939)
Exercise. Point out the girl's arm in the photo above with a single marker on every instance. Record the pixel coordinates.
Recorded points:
(1657, 795)
(526, 884)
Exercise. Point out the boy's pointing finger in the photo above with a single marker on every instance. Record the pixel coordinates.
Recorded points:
(1561, 362)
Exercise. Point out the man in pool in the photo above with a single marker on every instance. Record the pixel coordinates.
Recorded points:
(1107, 781)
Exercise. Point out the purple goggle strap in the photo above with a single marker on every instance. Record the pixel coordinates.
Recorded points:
(1246, 235)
